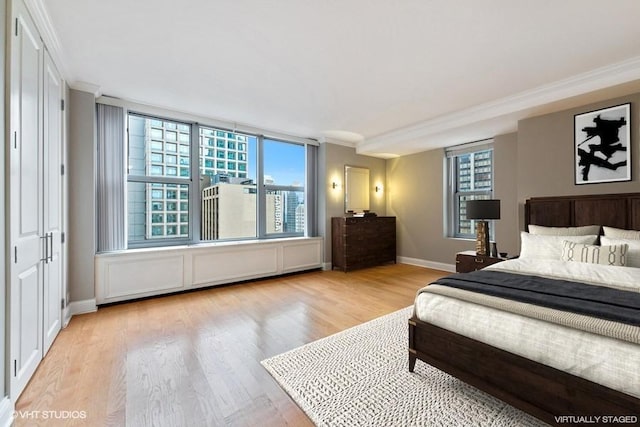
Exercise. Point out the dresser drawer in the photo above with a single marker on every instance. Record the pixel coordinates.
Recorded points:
(359, 242)
(466, 262)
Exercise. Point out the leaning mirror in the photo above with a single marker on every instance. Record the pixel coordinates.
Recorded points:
(356, 189)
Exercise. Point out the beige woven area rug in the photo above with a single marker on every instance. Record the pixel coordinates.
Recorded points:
(360, 377)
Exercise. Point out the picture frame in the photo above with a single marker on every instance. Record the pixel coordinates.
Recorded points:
(602, 145)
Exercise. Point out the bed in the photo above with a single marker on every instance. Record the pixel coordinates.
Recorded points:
(594, 376)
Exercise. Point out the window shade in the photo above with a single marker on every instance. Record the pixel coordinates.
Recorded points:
(111, 178)
(311, 190)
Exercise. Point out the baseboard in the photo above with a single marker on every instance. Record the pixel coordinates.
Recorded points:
(66, 316)
(79, 307)
(6, 412)
(451, 268)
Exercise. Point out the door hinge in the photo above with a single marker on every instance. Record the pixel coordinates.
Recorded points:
(61, 169)
(15, 254)
(16, 27)
(62, 304)
(15, 367)
(62, 237)
(62, 104)
(15, 139)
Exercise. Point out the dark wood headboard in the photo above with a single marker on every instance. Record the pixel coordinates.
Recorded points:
(613, 210)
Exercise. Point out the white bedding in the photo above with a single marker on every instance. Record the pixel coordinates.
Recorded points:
(626, 278)
(607, 361)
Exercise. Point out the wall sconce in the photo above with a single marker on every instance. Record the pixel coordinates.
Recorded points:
(379, 188)
(334, 185)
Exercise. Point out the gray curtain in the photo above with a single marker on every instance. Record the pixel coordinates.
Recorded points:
(111, 178)
(312, 190)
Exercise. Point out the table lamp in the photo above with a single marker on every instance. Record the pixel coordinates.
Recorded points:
(481, 211)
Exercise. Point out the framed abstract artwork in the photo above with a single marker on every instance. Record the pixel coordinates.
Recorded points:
(602, 141)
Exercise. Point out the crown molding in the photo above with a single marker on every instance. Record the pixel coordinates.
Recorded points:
(41, 18)
(335, 141)
(87, 87)
(599, 78)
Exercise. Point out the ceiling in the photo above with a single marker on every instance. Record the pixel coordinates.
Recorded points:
(388, 77)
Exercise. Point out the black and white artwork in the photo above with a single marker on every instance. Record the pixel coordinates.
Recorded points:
(603, 145)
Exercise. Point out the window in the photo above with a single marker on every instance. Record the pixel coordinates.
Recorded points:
(284, 177)
(153, 183)
(248, 186)
(470, 177)
(227, 212)
(233, 207)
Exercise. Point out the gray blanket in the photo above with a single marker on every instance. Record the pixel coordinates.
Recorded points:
(596, 301)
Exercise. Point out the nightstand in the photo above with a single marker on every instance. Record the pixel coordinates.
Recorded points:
(467, 261)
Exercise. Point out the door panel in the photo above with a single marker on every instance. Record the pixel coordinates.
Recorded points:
(52, 201)
(26, 327)
(28, 138)
(25, 200)
(52, 308)
(28, 291)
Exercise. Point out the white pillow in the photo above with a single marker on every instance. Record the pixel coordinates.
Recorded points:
(593, 254)
(534, 246)
(633, 253)
(585, 230)
(619, 233)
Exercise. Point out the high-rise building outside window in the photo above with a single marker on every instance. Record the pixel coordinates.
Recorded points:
(284, 171)
(244, 186)
(158, 179)
(470, 177)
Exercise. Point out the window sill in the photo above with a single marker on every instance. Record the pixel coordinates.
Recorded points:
(461, 239)
(229, 243)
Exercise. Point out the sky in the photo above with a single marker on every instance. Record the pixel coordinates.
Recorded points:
(284, 162)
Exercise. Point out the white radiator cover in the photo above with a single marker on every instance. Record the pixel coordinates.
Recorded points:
(145, 272)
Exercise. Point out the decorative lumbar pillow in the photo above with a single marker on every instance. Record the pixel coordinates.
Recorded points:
(585, 230)
(593, 254)
(619, 233)
(548, 247)
(633, 251)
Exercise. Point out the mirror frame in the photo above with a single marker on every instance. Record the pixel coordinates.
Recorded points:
(356, 189)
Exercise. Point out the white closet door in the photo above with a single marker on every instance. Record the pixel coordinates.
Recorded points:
(25, 200)
(52, 201)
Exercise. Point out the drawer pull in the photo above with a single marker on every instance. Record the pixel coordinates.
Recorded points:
(479, 261)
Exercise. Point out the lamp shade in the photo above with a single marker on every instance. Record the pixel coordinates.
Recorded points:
(483, 209)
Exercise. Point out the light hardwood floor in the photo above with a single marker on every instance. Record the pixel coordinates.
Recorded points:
(193, 359)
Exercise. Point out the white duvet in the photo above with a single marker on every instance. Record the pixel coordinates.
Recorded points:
(625, 278)
(607, 361)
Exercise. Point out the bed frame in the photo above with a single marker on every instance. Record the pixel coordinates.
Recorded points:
(537, 389)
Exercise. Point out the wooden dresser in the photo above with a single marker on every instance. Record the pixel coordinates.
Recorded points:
(362, 242)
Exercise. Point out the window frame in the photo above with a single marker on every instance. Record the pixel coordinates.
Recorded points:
(195, 196)
(164, 180)
(265, 188)
(453, 194)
